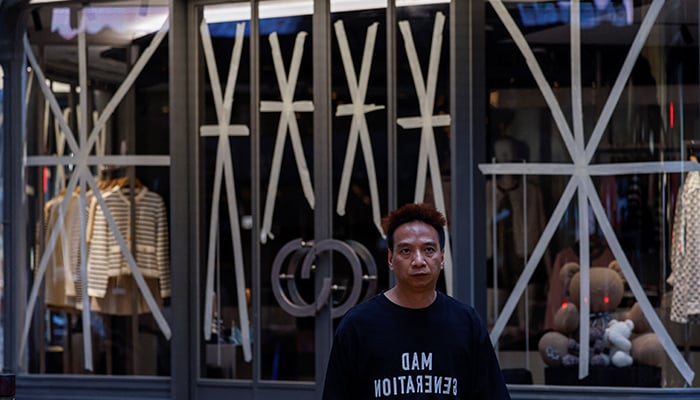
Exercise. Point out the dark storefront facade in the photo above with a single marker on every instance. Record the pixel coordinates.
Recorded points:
(192, 190)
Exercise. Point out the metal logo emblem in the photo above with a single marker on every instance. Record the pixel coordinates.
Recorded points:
(360, 260)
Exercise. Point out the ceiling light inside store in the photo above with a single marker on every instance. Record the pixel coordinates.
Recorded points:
(289, 8)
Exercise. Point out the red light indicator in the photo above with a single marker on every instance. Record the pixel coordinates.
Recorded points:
(672, 113)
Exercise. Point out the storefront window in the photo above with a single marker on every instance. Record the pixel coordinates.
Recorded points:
(288, 198)
(225, 149)
(98, 191)
(591, 169)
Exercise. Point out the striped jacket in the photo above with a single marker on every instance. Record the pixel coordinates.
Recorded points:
(152, 248)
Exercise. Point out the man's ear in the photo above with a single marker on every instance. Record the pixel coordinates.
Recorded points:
(389, 260)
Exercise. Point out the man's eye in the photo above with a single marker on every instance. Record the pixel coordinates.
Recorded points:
(430, 250)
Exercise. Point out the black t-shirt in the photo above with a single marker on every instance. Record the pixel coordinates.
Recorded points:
(385, 351)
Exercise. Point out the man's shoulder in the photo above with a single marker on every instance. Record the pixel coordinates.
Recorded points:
(367, 311)
(372, 304)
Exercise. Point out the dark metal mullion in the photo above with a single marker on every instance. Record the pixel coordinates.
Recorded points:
(392, 150)
(183, 196)
(255, 187)
(15, 212)
(391, 24)
(468, 142)
(323, 176)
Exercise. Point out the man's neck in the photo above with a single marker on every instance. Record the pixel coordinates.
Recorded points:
(415, 300)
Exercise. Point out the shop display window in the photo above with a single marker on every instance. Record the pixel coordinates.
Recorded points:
(224, 91)
(288, 190)
(97, 172)
(591, 167)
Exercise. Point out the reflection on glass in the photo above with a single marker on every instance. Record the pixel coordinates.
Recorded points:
(99, 225)
(226, 230)
(625, 126)
(286, 159)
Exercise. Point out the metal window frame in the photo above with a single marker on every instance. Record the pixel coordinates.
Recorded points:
(467, 145)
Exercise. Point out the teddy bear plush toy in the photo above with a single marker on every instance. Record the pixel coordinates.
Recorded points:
(560, 347)
(617, 337)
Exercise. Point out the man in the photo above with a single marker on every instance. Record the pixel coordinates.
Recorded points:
(413, 342)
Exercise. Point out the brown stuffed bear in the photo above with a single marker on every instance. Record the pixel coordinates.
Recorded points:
(646, 348)
(606, 292)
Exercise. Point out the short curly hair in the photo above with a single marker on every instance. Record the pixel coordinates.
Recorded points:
(414, 212)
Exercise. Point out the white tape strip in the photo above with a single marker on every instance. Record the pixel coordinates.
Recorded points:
(576, 92)
(82, 79)
(60, 182)
(585, 265)
(231, 130)
(155, 161)
(643, 168)
(86, 316)
(417, 122)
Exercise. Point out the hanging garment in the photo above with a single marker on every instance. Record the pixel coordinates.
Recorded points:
(152, 248)
(685, 253)
(62, 271)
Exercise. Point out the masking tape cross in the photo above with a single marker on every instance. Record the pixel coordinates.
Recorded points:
(224, 169)
(287, 108)
(358, 126)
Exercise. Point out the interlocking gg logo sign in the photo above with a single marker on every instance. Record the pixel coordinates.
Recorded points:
(296, 260)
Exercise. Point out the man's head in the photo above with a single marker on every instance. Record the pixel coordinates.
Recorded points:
(414, 212)
(416, 241)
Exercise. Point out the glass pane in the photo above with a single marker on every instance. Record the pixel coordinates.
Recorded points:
(590, 155)
(423, 77)
(224, 48)
(286, 161)
(99, 236)
(359, 151)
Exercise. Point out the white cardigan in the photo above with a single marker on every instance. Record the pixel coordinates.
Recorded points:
(152, 255)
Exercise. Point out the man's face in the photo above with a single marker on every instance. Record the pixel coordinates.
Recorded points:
(416, 258)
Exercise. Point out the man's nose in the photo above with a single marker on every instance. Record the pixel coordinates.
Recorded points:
(418, 259)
